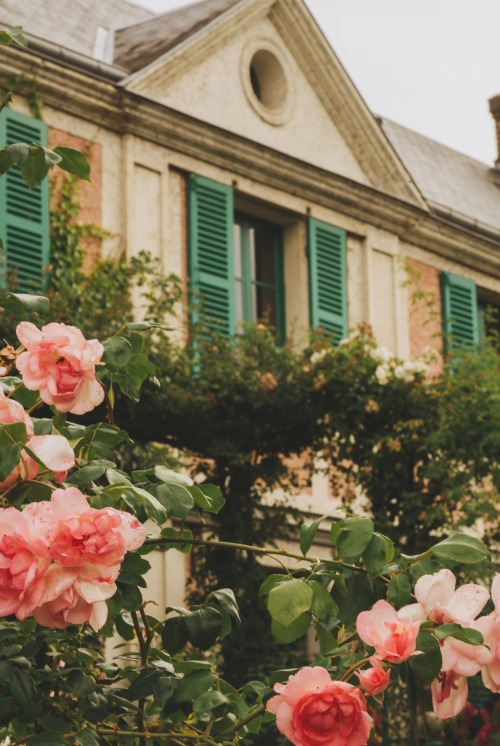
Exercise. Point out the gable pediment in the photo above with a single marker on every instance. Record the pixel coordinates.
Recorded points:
(263, 70)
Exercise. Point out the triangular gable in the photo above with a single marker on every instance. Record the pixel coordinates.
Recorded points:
(331, 125)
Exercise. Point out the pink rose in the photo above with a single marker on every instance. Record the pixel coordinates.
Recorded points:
(313, 710)
(392, 635)
(439, 601)
(24, 558)
(53, 451)
(76, 596)
(449, 694)
(491, 672)
(60, 363)
(86, 535)
(374, 680)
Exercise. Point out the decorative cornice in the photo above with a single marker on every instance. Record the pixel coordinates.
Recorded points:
(124, 112)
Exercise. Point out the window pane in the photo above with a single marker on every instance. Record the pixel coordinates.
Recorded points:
(237, 250)
(265, 256)
(266, 306)
(238, 299)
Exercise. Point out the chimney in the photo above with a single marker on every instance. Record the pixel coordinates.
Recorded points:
(495, 112)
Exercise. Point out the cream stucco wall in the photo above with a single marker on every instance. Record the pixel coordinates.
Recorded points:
(214, 91)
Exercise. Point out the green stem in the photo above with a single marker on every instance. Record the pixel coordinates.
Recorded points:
(251, 548)
(347, 674)
(251, 716)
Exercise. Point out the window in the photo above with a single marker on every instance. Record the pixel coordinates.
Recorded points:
(327, 278)
(24, 213)
(258, 272)
(236, 263)
(460, 312)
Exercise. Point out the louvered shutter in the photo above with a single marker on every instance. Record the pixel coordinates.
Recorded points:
(24, 213)
(327, 278)
(211, 254)
(460, 317)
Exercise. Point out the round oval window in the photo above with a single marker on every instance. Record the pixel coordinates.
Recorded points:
(268, 80)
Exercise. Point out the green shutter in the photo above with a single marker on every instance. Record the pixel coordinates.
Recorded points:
(211, 253)
(24, 213)
(460, 318)
(327, 278)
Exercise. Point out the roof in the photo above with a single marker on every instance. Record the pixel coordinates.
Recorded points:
(72, 24)
(140, 44)
(452, 183)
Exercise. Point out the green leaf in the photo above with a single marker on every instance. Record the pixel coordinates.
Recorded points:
(21, 303)
(164, 689)
(86, 737)
(354, 537)
(80, 685)
(74, 162)
(143, 685)
(327, 641)
(287, 601)
(51, 157)
(461, 548)
(361, 596)
(176, 499)
(208, 497)
(48, 739)
(377, 554)
(13, 34)
(117, 352)
(399, 590)
(206, 702)
(308, 532)
(23, 688)
(470, 636)
(19, 152)
(225, 597)
(169, 476)
(34, 169)
(323, 606)
(171, 533)
(194, 684)
(270, 582)
(295, 630)
(174, 634)
(10, 455)
(203, 627)
(131, 597)
(427, 666)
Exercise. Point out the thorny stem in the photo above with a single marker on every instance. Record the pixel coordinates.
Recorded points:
(15, 390)
(256, 550)
(248, 718)
(149, 636)
(35, 406)
(347, 674)
(170, 736)
(142, 702)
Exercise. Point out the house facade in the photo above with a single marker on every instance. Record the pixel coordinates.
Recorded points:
(227, 140)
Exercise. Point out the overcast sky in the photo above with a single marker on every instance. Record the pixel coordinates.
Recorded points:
(431, 65)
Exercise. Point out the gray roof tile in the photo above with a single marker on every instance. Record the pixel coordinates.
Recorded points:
(70, 23)
(142, 43)
(451, 182)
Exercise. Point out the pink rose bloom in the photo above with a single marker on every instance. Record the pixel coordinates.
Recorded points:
(374, 680)
(439, 601)
(465, 659)
(60, 363)
(313, 710)
(11, 411)
(24, 558)
(53, 451)
(86, 535)
(392, 635)
(76, 596)
(491, 672)
(449, 694)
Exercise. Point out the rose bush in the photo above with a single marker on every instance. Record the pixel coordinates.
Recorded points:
(75, 531)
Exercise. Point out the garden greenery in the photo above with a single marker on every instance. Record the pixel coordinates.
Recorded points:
(77, 526)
